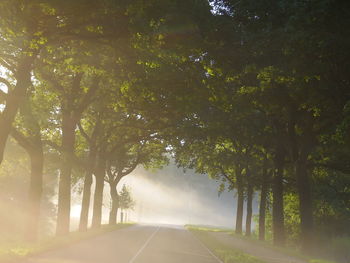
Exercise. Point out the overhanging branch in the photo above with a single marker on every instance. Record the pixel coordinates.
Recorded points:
(21, 139)
(83, 133)
(7, 65)
(3, 96)
(7, 83)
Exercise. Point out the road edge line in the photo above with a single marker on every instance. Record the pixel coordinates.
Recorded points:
(144, 246)
(200, 242)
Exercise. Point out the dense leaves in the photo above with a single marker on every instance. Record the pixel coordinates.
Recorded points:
(253, 93)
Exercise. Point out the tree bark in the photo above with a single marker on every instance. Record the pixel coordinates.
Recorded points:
(35, 193)
(14, 100)
(98, 196)
(115, 204)
(240, 201)
(85, 205)
(34, 148)
(305, 203)
(122, 217)
(300, 151)
(263, 200)
(277, 205)
(250, 192)
(64, 192)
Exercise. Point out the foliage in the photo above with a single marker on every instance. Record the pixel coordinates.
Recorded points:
(234, 89)
(125, 198)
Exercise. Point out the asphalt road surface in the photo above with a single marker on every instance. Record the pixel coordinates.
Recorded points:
(135, 244)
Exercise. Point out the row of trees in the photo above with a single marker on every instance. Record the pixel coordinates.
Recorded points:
(66, 72)
(277, 117)
(256, 94)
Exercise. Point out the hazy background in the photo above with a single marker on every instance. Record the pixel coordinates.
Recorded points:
(172, 196)
(168, 196)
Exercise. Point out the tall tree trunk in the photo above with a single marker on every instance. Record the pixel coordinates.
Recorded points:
(277, 205)
(14, 99)
(115, 204)
(122, 216)
(263, 200)
(240, 201)
(98, 196)
(250, 192)
(85, 205)
(34, 148)
(305, 203)
(300, 152)
(64, 191)
(35, 192)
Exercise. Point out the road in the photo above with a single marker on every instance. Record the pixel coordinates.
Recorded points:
(135, 244)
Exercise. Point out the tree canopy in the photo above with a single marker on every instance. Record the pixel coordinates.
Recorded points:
(253, 93)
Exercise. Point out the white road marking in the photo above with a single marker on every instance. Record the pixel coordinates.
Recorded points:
(207, 249)
(144, 246)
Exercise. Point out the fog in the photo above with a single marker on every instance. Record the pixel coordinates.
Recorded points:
(172, 196)
(166, 196)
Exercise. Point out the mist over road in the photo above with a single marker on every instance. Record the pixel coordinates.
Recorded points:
(135, 244)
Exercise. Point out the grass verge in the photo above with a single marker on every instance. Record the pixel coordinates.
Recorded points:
(225, 253)
(209, 228)
(229, 255)
(12, 252)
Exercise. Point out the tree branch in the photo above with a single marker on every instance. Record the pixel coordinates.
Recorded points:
(3, 96)
(58, 148)
(7, 65)
(132, 167)
(88, 97)
(7, 83)
(53, 81)
(130, 140)
(76, 88)
(53, 145)
(109, 176)
(226, 176)
(22, 140)
(334, 167)
(83, 133)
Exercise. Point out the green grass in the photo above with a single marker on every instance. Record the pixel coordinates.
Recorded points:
(225, 253)
(228, 255)
(285, 250)
(208, 228)
(12, 251)
(320, 261)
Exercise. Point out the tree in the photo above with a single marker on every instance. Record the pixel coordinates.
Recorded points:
(126, 201)
(90, 169)
(28, 135)
(70, 85)
(27, 29)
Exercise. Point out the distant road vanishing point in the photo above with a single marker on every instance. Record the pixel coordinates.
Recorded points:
(135, 244)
